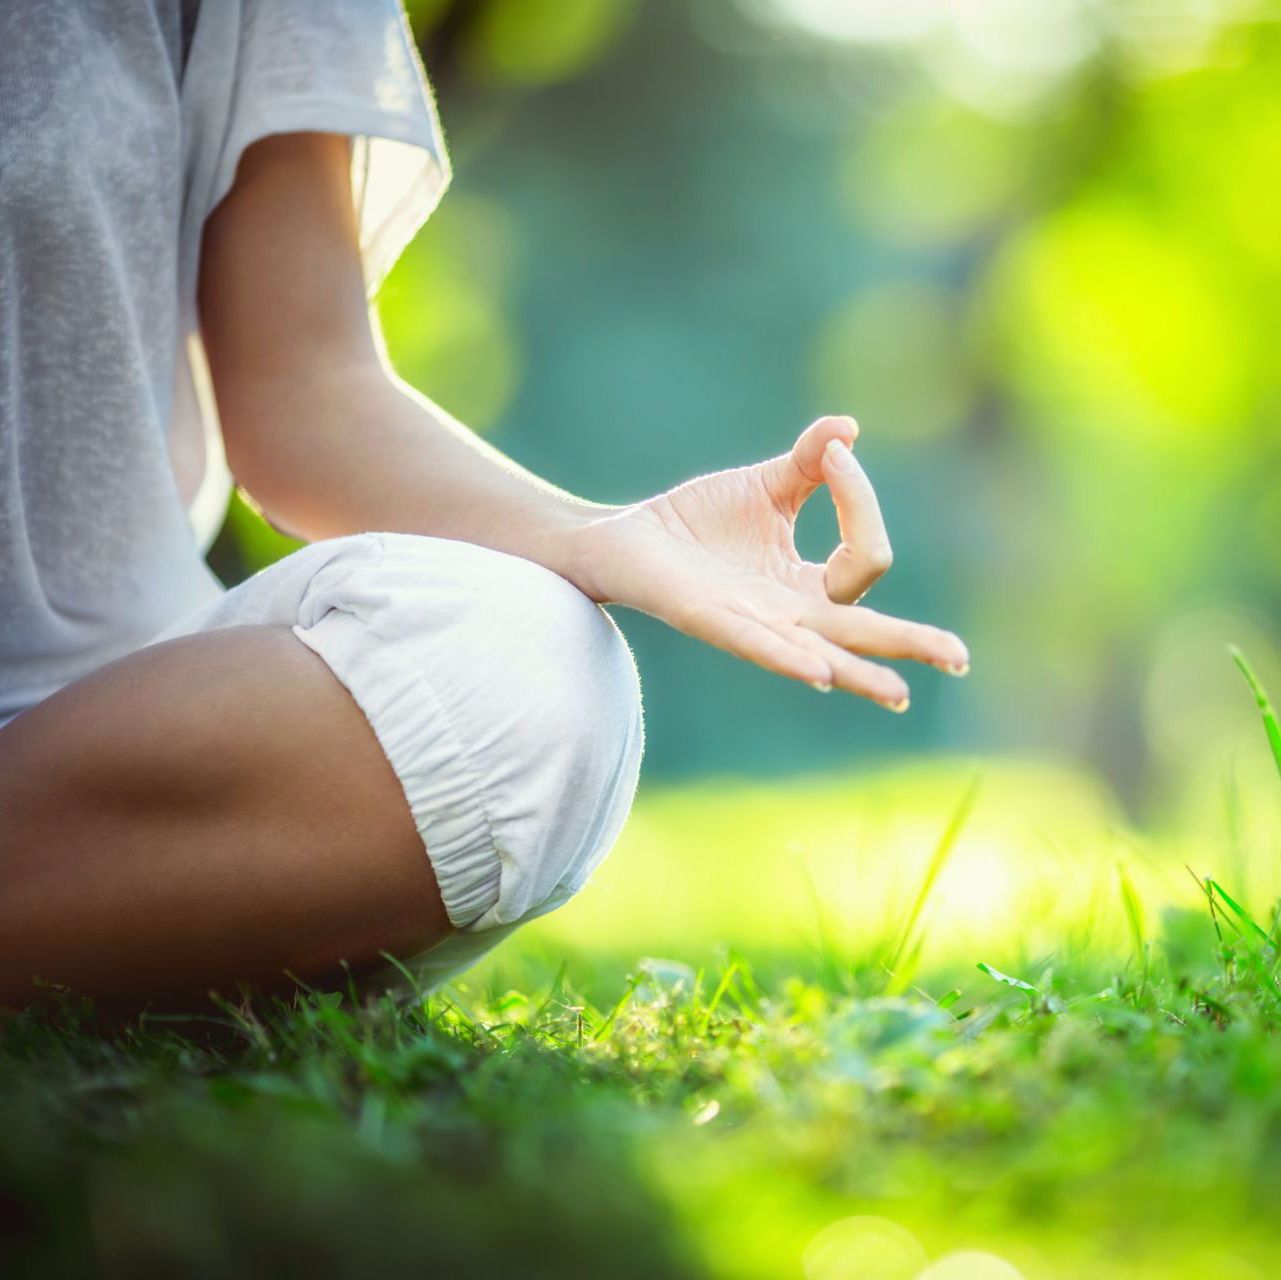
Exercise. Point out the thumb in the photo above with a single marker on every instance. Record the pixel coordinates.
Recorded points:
(864, 554)
(792, 477)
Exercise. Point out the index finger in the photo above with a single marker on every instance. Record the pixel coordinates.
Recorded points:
(864, 554)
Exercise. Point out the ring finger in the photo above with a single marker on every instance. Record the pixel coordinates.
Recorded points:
(857, 675)
(861, 630)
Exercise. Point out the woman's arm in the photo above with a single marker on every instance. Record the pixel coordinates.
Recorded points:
(330, 442)
(317, 428)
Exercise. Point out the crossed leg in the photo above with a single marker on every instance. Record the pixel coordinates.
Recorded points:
(210, 809)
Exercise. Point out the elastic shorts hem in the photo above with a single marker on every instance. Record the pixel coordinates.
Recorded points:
(416, 732)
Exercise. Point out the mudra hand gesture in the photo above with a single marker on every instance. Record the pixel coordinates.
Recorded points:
(716, 558)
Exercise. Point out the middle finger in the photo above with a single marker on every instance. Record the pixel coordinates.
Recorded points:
(862, 630)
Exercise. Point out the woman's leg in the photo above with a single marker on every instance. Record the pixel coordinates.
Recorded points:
(209, 809)
(256, 792)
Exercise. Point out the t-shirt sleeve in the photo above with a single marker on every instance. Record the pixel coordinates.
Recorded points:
(261, 67)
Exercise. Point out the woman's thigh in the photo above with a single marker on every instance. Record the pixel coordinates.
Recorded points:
(210, 809)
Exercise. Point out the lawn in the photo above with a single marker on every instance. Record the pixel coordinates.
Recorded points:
(946, 1022)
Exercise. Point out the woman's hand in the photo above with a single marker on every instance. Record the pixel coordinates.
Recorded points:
(716, 558)
(329, 444)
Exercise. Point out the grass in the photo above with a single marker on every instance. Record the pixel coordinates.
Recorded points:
(1035, 1065)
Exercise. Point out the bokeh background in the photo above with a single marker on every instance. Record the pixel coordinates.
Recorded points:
(1033, 246)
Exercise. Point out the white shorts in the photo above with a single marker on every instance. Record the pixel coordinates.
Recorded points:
(506, 702)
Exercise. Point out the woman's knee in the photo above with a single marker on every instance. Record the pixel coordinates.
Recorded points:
(509, 706)
(563, 751)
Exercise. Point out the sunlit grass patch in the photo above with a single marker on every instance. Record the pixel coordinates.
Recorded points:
(693, 1125)
(823, 872)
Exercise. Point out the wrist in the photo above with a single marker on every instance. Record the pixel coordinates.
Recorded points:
(588, 554)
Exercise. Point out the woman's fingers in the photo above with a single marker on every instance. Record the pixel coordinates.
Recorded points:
(803, 654)
(792, 656)
(866, 631)
(818, 649)
(864, 554)
(858, 675)
(792, 477)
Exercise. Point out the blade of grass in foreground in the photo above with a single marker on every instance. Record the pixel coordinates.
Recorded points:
(605, 1027)
(901, 978)
(1237, 910)
(726, 978)
(1262, 959)
(1134, 916)
(1270, 723)
(1006, 980)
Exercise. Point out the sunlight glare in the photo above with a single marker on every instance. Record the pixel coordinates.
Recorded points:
(970, 1265)
(863, 1248)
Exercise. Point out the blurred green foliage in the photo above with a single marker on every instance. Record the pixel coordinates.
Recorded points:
(1032, 246)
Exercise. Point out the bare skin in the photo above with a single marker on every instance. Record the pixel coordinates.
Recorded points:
(216, 808)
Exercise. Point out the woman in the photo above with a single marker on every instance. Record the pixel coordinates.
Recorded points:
(199, 786)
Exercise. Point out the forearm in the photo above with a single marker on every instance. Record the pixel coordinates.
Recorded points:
(354, 448)
(329, 443)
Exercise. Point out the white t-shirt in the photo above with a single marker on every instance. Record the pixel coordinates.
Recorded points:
(121, 126)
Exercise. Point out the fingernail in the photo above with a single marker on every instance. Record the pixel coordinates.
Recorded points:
(959, 669)
(839, 453)
(821, 685)
(897, 707)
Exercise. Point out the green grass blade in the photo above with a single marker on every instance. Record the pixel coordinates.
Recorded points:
(1252, 935)
(414, 985)
(1240, 912)
(1209, 902)
(604, 1029)
(1134, 916)
(900, 979)
(826, 952)
(717, 996)
(1006, 980)
(556, 984)
(1266, 710)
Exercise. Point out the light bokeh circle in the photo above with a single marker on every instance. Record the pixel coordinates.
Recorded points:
(970, 1264)
(863, 1248)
